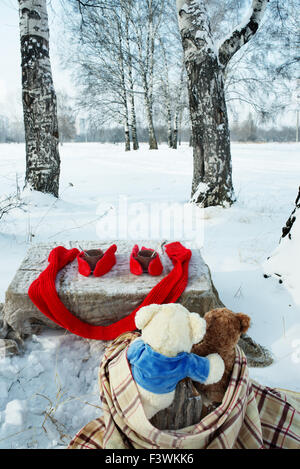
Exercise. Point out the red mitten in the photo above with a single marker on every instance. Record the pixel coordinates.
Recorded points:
(135, 266)
(106, 263)
(103, 265)
(144, 261)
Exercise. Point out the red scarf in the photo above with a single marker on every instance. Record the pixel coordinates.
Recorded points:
(43, 294)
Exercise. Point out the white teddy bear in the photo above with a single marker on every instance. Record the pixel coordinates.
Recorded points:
(161, 356)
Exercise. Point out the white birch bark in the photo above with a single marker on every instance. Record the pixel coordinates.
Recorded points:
(124, 91)
(145, 43)
(178, 110)
(149, 113)
(39, 99)
(243, 33)
(149, 86)
(148, 103)
(205, 65)
(167, 95)
(134, 136)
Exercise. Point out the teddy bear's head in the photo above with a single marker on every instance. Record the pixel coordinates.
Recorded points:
(170, 328)
(223, 329)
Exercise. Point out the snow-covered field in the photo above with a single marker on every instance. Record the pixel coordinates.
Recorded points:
(50, 392)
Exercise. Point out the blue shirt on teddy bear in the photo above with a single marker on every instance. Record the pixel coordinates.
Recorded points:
(160, 374)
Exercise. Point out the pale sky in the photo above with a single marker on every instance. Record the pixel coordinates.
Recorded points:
(10, 57)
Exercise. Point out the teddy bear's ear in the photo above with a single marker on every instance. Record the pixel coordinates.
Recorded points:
(198, 327)
(145, 314)
(244, 321)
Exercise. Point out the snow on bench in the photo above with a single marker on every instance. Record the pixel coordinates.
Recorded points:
(104, 300)
(100, 300)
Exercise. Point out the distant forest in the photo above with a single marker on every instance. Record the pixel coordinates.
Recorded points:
(245, 131)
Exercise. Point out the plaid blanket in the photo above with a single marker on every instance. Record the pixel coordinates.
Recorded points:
(250, 416)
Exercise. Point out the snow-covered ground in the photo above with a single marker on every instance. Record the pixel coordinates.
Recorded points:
(50, 392)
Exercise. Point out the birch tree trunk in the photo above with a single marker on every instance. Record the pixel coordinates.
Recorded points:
(149, 85)
(287, 229)
(165, 83)
(134, 136)
(148, 99)
(206, 65)
(123, 84)
(175, 133)
(149, 113)
(178, 110)
(146, 67)
(39, 99)
(127, 135)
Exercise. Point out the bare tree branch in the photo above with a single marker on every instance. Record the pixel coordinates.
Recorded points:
(244, 32)
(10, 202)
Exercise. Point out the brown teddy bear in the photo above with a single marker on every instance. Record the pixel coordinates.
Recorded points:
(223, 330)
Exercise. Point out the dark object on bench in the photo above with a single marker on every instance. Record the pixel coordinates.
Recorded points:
(92, 256)
(144, 257)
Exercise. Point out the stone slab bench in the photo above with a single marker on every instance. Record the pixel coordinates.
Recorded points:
(103, 300)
